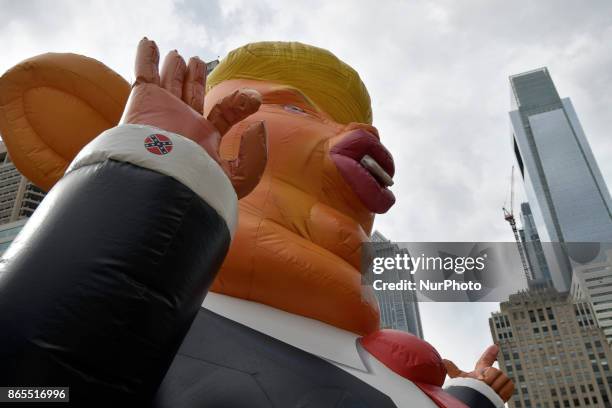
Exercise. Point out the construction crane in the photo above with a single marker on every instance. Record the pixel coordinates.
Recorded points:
(509, 216)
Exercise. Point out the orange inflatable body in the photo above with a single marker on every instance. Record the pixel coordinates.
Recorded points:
(297, 245)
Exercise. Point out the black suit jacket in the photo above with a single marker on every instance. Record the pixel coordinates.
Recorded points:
(223, 364)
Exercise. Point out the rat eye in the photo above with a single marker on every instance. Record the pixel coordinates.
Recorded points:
(294, 109)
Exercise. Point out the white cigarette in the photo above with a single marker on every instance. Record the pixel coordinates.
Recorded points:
(376, 170)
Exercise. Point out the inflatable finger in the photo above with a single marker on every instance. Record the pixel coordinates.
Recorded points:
(51, 106)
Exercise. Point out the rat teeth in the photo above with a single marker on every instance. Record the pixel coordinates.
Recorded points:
(376, 170)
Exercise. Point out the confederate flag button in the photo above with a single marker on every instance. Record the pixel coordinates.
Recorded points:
(158, 144)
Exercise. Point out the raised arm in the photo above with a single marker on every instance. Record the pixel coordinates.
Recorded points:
(102, 284)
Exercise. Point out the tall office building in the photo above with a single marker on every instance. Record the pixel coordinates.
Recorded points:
(18, 200)
(553, 350)
(565, 189)
(533, 246)
(593, 283)
(18, 197)
(8, 232)
(399, 309)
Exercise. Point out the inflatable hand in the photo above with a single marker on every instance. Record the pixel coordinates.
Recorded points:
(484, 371)
(174, 102)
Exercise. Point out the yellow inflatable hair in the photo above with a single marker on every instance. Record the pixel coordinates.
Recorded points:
(331, 84)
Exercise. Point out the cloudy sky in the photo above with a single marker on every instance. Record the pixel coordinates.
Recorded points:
(437, 73)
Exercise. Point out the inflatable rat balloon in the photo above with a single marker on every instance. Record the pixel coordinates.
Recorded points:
(142, 218)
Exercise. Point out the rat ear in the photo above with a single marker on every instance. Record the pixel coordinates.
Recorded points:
(51, 106)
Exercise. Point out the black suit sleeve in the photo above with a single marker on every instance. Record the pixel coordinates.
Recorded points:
(101, 286)
(473, 393)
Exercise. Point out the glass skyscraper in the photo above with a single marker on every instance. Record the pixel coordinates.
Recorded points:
(533, 247)
(399, 309)
(568, 197)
